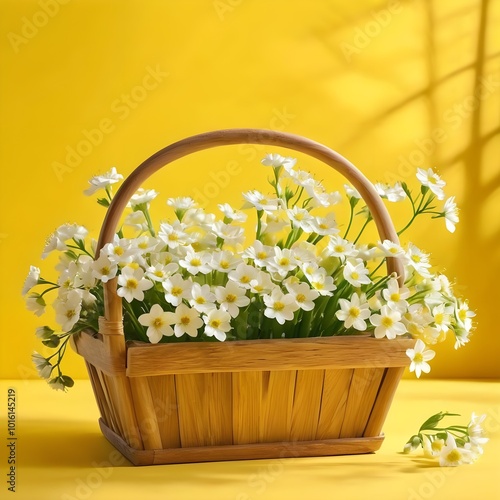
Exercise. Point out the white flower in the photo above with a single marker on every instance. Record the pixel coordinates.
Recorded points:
(338, 247)
(432, 445)
(261, 202)
(144, 244)
(181, 203)
(202, 298)
(142, 197)
(280, 306)
(395, 296)
(42, 365)
(442, 317)
(322, 283)
(68, 310)
(430, 179)
(160, 272)
(35, 303)
(261, 283)
(119, 252)
(176, 289)
(231, 297)
(392, 193)
(450, 214)
(283, 261)
(461, 337)
(419, 356)
(31, 279)
(132, 284)
(303, 295)
(476, 433)
(259, 253)
(324, 226)
(225, 261)
(276, 160)
(320, 196)
(185, 320)
(356, 275)
(157, 322)
(418, 260)
(451, 455)
(231, 214)
(387, 323)
(354, 312)
(103, 181)
(217, 323)
(300, 217)
(390, 249)
(174, 234)
(351, 191)
(243, 275)
(464, 315)
(62, 234)
(232, 235)
(196, 262)
(103, 269)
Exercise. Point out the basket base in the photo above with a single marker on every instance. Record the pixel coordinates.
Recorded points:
(326, 447)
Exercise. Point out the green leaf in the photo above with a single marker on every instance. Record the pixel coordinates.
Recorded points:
(103, 201)
(52, 341)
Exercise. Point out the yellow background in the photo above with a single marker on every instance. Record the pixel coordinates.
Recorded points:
(386, 84)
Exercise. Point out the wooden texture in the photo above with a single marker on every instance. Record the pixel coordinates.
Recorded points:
(247, 406)
(243, 451)
(277, 354)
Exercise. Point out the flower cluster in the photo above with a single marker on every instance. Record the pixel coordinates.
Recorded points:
(453, 445)
(199, 277)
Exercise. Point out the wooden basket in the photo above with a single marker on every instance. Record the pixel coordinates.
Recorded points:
(195, 402)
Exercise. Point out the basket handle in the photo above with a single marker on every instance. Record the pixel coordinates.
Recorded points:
(184, 147)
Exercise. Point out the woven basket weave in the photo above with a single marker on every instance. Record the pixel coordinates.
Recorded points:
(195, 402)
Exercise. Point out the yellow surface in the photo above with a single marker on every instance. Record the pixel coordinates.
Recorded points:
(62, 455)
(388, 84)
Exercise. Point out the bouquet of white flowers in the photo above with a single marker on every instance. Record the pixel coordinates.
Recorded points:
(197, 277)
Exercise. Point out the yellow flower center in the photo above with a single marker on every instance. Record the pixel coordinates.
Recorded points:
(245, 279)
(132, 283)
(439, 318)
(387, 321)
(105, 270)
(158, 323)
(437, 445)
(215, 323)
(200, 300)
(185, 320)
(133, 265)
(418, 358)
(454, 456)
(118, 251)
(395, 297)
(432, 180)
(393, 250)
(354, 311)
(224, 264)
(318, 285)
(173, 237)
(143, 245)
(339, 248)
(300, 297)
(230, 297)
(159, 273)
(323, 226)
(70, 313)
(176, 291)
(416, 258)
(261, 255)
(279, 306)
(284, 261)
(355, 275)
(196, 262)
(462, 314)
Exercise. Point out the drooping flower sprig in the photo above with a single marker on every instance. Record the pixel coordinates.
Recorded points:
(199, 276)
(452, 445)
